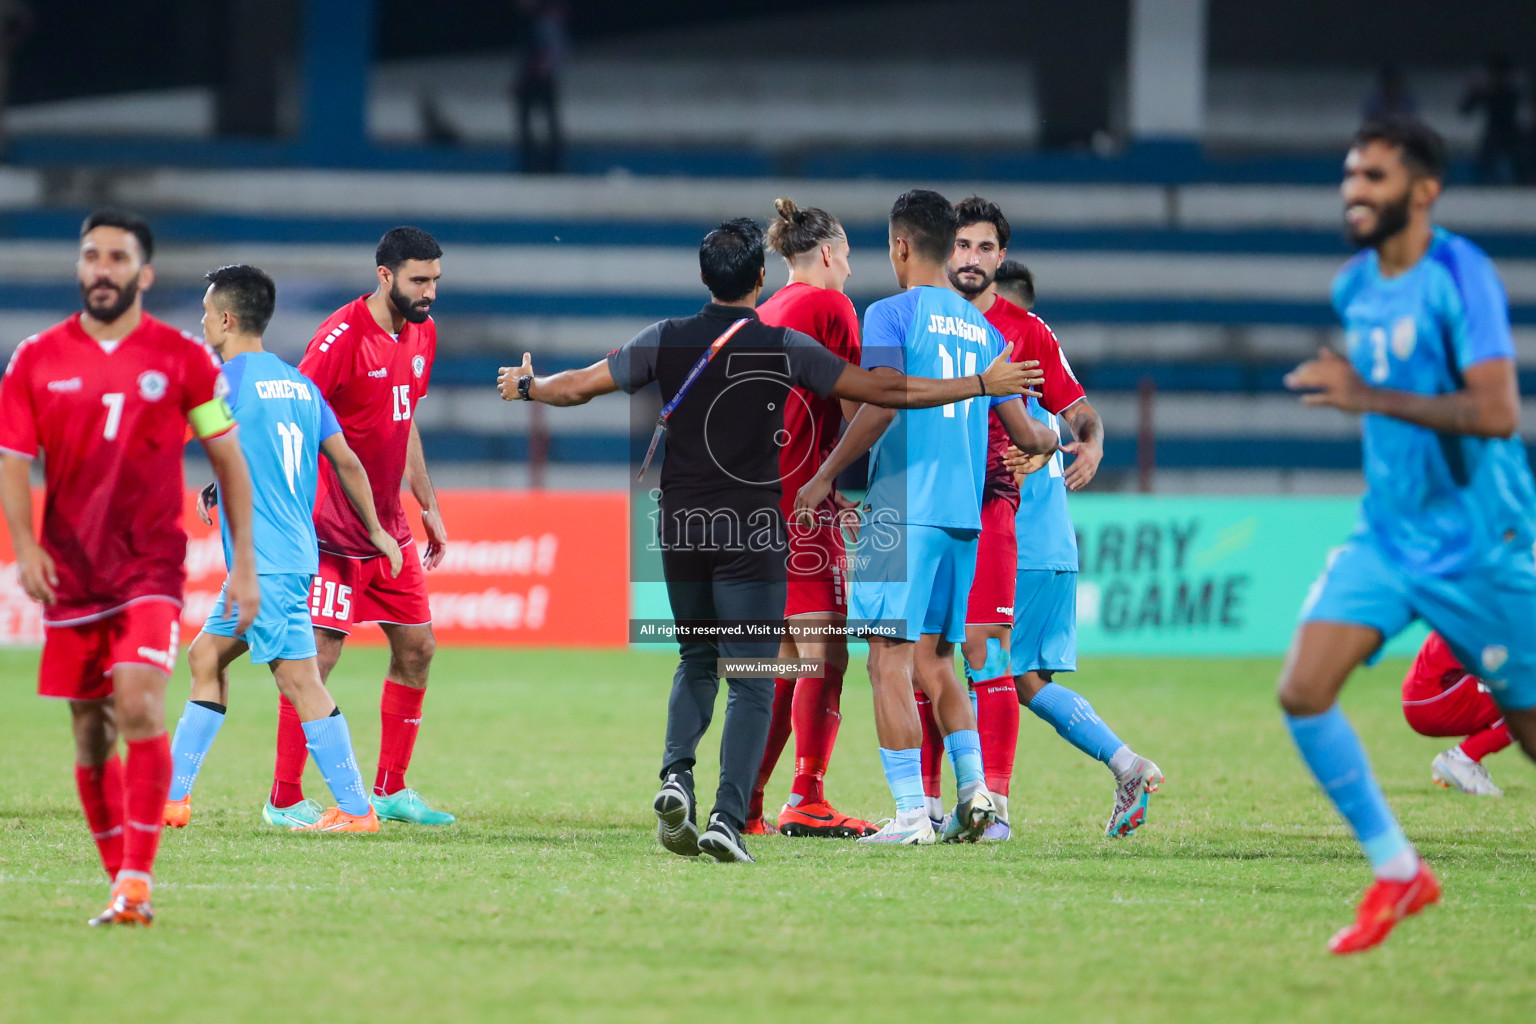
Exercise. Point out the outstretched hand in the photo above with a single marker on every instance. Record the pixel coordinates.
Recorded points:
(507, 378)
(1003, 379)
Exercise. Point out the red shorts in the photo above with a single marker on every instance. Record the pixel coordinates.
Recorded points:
(1441, 698)
(348, 590)
(817, 571)
(78, 660)
(997, 567)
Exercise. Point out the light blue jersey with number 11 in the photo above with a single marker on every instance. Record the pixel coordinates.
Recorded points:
(283, 421)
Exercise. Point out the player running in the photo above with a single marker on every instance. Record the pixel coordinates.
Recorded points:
(372, 361)
(1022, 619)
(917, 551)
(1441, 698)
(106, 396)
(815, 247)
(284, 427)
(1445, 531)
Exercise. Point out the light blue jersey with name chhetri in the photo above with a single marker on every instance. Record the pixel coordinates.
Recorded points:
(928, 467)
(283, 421)
(1435, 503)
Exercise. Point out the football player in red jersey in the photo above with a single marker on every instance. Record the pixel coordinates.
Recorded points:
(815, 247)
(372, 360)
(106, 396)
(1441, 698)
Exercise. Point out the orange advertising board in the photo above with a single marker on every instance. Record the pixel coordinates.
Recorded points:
(521, 567)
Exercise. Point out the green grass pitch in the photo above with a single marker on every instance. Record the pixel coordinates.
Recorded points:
(550, 900)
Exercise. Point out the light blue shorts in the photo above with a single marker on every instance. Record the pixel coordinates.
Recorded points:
(1044, 637)
(1487, 615)
(282, 630)
(919, 582)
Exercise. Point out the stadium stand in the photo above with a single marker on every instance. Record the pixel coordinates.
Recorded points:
(1209, 292)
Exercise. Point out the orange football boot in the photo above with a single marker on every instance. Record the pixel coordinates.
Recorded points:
(130, 905)
(821, 819)
(178, 813)
(760, 826)
(1386, 903)
(337, 820)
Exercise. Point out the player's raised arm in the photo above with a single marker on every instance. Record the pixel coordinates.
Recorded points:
(354, 484)
(1488, 404)
(421, 489)
(568, 387)
(896, 391)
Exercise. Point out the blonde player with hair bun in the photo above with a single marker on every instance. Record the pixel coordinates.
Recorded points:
(815, 248)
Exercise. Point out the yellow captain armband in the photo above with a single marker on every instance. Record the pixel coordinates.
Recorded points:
(211, 419)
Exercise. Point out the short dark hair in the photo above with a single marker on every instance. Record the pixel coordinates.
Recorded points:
(929, 222)
(112, 217)
(1423, 150)
(977, 210)
(406, 243)
(247, 292)
(1014, 276)
(731, 258)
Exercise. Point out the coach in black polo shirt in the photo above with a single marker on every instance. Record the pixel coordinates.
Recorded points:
(725, 375)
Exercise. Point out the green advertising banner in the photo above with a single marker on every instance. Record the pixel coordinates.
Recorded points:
(1173, 575)
(1203, 576)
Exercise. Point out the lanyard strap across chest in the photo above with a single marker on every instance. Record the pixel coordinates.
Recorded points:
(688, 381)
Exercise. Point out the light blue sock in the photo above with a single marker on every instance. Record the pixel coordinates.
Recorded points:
(904, 774)
(330, 744)
(189, 747)
(964, 747)
(1338, 762)
(1075, 721)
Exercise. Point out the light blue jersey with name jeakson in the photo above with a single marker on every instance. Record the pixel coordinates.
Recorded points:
(928, 467)
(283, 421)
(1434, 504)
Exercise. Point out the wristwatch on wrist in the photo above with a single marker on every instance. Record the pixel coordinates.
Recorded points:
(523, 384)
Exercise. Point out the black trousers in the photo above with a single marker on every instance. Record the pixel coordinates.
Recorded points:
(724, 587)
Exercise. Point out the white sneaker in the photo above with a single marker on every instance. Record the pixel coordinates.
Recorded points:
(1131, 797)
(895, 832)
(1455, 770)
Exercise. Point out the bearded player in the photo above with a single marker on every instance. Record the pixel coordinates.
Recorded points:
(1445, 529)
(1021, 625)
(917, 553)
(815, 247)
(106, 396)
(285, 427)
(372, 361)
(1441, 698)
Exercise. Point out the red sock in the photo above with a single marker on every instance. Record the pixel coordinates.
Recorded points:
(288, 771)
(997, 720)
(778, 735)
(1487, 741)
(146, 785)
(933, 748)
(817, 715)
(399, 720)
(101, 794)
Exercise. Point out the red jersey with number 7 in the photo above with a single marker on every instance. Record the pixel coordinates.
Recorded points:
(111, 422)
(373, 380)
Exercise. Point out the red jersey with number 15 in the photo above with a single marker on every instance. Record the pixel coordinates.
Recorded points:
(373, 381)
(811, 423)
(111, 427)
